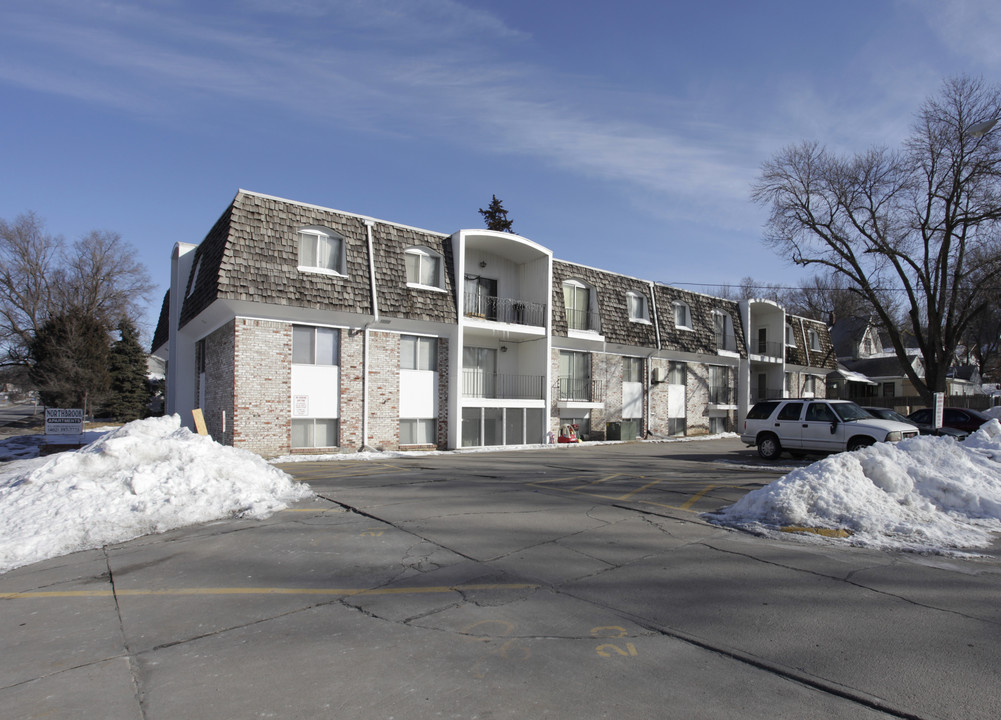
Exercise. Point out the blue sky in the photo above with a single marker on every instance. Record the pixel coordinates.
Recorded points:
(621, 135)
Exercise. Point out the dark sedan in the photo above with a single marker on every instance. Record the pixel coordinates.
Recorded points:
(924, 429)
(959, 418)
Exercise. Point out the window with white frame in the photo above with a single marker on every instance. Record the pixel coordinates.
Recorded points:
(632, 369)
(418, 353)
(676, 373)
(314, 432)
(577, 299)
(314, 345)
(418, 431)
(682, 316)
(809, 385)
(321, 250)
(813, 338)
(790, 336)
(723, 329)
(424, 268)
(637, 306)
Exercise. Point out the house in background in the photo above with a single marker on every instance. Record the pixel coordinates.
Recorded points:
(298, 328)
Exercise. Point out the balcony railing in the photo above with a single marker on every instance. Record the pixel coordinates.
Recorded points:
(582, 320)
(476, 384)
(768, 348)
(505, 310)
(581, 389)
(722, 395)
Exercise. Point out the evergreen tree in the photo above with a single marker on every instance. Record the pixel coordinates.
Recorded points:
(496, 216)
(68, 360)
(130, 389)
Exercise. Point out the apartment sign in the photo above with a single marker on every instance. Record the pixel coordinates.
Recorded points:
(63, 421)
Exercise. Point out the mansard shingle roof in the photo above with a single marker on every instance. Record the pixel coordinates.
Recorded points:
(611, 291)
(162, 333)
(702, 337)
(826, 357)
(252, 254)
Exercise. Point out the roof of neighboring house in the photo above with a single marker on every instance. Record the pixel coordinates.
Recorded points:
(879, 367)
(847, 333)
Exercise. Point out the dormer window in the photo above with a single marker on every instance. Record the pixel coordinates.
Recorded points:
(321, 250)
(682, 316)
(790, 336)
(813, 339)
(723, 329)
(424, 268)
(577, 299)
(637, 306)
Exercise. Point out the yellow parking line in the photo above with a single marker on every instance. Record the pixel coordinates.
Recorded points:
(639, 489)
(598, 481)
(697, 496)
(173, 592)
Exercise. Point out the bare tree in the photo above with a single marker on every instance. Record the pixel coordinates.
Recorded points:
(41, 278)
(903, 221)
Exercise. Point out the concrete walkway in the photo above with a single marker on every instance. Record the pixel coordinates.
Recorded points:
(556, 584)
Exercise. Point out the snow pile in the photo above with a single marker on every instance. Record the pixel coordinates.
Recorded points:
(924, 494)
(146, 477)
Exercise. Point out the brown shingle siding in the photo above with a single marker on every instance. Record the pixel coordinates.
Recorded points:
(702, 337)
(611, 292)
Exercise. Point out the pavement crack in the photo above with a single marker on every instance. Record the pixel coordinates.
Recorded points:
(134, 672)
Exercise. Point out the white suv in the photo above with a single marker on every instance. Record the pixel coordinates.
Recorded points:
(816, 425)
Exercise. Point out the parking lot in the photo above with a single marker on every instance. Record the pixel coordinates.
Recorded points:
(562, 583)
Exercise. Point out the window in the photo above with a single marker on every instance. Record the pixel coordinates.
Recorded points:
(809, 385)
(676, 426)
(889, 389)
(637, 307)
(417, 432)
(423, 268)
(676, 373)
(321, 250)
(314, 432)
(790, 336)
(819, 412)
(723, 328)
(194, 278)
(682, 316)
(577, 298)
(719, 425)
(813, 339)
(481, 297)
(720, 391)
(790, 411)
(314, 345)
(418, 353)
(632, 369)
(575, 376)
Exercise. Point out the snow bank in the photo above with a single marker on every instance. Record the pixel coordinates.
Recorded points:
(146, 477)
(923, 494)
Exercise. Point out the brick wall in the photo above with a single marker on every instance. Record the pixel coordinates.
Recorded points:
(443, 370)
(262, 379)
(352, 350)
(383, 391)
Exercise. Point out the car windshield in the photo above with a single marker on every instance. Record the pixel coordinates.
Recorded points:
(894, 415)
(850, 411)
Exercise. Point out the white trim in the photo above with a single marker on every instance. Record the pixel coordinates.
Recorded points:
(319, 271)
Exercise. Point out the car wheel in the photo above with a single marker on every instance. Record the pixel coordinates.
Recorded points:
(859, 443)
(769, 447)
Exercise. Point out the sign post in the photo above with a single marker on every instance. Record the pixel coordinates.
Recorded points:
(938, 410)
(63, 421)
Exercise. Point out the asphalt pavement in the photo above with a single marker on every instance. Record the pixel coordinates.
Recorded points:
(563, 583)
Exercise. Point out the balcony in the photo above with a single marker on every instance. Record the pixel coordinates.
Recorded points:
(582, 320)
(505, 310)
(768, 348)
(493, 386)
(580, 390)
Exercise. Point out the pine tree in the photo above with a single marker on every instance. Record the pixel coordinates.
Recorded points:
(130, 389)
(496, 216)
(69, 360)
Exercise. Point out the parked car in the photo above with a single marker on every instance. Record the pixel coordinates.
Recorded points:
(816, 425)
(959, 418)
(888, 414)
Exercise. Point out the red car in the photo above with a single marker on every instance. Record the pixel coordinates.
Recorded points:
(959, 418)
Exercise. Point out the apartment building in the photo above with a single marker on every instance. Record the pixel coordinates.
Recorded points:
(298, 328)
